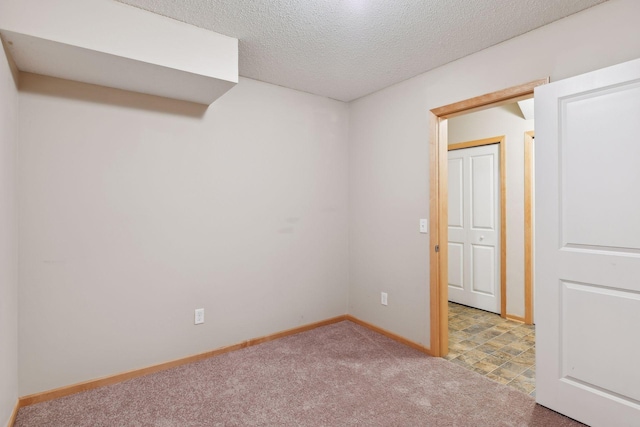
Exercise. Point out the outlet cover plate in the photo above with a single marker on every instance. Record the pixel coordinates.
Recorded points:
(199, 316)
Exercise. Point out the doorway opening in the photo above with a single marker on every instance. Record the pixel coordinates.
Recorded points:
(438, 150)
(485, 335)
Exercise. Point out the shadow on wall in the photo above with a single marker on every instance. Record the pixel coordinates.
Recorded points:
(116, 97)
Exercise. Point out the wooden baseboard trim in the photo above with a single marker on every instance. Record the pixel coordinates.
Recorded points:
(515, 318)
(388, 334)
(113, 379)
(117, 378)
(14, 414)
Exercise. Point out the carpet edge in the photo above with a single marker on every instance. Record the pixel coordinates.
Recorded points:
(389, 334)
(14, 414)
(124, 376)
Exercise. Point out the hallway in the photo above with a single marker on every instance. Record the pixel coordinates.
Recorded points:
(500, 349)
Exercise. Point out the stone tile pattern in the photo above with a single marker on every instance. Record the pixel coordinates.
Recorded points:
(500, 349)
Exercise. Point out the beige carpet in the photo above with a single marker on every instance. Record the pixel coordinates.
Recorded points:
(337, 375)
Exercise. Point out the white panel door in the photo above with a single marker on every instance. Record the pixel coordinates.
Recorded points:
(588, 246)
(474, 227)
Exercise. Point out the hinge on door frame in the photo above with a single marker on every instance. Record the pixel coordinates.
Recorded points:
(437, 248)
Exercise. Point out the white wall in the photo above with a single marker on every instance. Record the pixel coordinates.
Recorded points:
(135, 210)
(506, 120)
(108, 43)
(388, 148)
(8, 239)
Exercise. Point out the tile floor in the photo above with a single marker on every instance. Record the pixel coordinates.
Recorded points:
(497, 348)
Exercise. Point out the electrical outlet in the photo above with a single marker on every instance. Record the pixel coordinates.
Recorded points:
(383, 298)
(199, 316)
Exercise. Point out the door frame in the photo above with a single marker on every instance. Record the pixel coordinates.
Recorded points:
(528, 227)
(499, 140)
(438, 200)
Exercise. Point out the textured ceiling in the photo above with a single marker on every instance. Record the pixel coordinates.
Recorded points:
(345, 49)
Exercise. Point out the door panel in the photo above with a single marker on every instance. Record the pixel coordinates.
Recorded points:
(456, 263)
(483, 212)
(456, 215)
(587, 197)
(581, 329)
(587, 251)
(483, 279)
(473, 227)
(456, 223)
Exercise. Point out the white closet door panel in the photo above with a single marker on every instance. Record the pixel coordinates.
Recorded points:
(483, 213)
(474, 246)
(456, 192)
(483, 277)
(456, 265)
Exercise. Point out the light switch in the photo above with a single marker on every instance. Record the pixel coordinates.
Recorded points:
(423, 225)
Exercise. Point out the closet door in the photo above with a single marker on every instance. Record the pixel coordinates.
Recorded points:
(474, 227)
